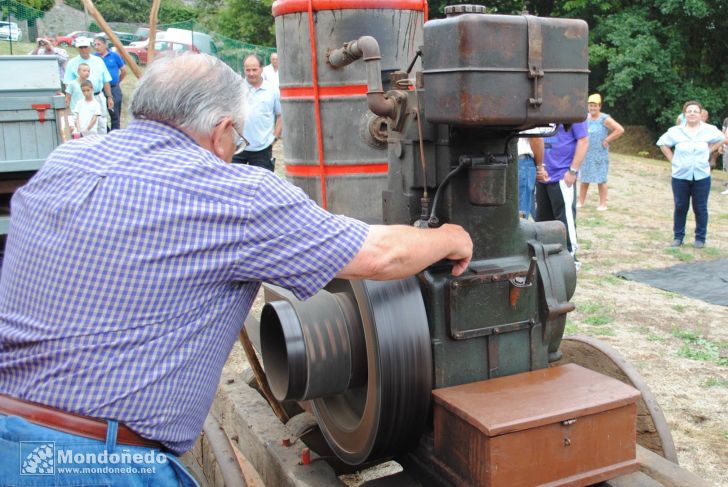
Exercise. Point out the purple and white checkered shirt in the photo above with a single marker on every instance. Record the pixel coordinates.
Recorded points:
(131, 263)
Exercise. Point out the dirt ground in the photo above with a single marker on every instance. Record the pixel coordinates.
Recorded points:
(678, 344)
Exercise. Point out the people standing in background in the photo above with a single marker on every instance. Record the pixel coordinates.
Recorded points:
(44, 47)
(558, 160)
(74, 94)
(526, 178)
(117, 69)
(603, 129)
(100, 77)
(87, 111)
(263, 119)
(270, 72)
(688, 149)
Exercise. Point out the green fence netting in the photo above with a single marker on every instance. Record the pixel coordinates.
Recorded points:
(18, 23)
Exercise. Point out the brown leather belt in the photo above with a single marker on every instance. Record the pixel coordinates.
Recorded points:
(71, 423)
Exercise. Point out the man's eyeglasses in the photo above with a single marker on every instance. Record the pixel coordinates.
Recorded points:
(241, 143)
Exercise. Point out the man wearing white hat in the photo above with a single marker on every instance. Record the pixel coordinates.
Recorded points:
(100, 77)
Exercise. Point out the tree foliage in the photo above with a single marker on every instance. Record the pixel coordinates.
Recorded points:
(42, 5)
(247, 20)
(137, 11)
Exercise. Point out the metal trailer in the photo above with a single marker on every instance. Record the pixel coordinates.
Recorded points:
(30, 101)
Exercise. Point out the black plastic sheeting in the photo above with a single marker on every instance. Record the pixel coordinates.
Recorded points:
(706, 280)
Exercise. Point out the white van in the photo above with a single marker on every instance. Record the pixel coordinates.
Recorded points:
(10, 30)
(203, 42)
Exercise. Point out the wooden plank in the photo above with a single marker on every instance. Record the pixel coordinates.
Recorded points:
(667, 473)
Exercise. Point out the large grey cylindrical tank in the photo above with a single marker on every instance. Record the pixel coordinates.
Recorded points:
(335, 148)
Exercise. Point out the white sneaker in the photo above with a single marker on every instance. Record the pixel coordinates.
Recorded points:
(724, 192)
(579, 205)
(601, 208)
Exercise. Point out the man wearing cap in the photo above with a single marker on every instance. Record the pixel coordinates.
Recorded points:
(117, 69)
(99, 77)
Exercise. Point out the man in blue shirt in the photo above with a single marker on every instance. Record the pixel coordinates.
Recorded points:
(117, 69)
(558, 159)
(263, 119)
(131, 263)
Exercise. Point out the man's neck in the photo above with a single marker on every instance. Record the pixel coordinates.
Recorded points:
(260, 83)
(88, 55)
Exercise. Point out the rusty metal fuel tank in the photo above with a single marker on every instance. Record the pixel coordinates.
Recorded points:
(509, 70)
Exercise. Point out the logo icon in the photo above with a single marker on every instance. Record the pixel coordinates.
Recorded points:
(37, 457)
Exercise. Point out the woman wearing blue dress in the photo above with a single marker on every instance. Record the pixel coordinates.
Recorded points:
(603, 129)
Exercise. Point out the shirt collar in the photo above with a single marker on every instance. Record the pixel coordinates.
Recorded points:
(160, 128)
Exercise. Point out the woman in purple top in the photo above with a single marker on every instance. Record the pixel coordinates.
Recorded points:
(558, 159)
(603, 129)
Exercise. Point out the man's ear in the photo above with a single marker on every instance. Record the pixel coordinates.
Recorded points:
(217, 139)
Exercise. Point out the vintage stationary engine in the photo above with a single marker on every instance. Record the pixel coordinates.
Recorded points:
(367, 355)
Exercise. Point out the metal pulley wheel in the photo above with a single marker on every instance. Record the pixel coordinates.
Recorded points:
(360, 351)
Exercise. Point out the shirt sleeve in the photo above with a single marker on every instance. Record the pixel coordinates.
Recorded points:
(277, 103)
(106, 76)
(666, 139)
(70, 75)
(292, 242)
(77, 107)
(580, 130)
(715, 135)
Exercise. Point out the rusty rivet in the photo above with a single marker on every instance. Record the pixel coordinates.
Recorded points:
(286, 442)
(567, 442)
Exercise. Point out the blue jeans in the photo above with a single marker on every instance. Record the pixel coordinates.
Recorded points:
(40, 456)
(683, 191)
(526, 184)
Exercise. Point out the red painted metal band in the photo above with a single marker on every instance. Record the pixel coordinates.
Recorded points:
(282, 7)
(343, 170)
(308, 92)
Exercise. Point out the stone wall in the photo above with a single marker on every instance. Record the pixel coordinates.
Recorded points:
(62, 19)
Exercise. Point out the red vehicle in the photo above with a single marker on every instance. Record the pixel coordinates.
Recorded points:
(139, 53)
(70, 39)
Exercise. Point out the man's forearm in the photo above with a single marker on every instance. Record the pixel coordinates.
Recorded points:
(278, 127)
(398, 251)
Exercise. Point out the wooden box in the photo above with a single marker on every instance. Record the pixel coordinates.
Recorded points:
(560, 426)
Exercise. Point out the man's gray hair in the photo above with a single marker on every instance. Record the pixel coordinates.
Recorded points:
(192, 92)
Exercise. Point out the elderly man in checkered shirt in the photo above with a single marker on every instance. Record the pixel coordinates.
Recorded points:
(131, 263)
